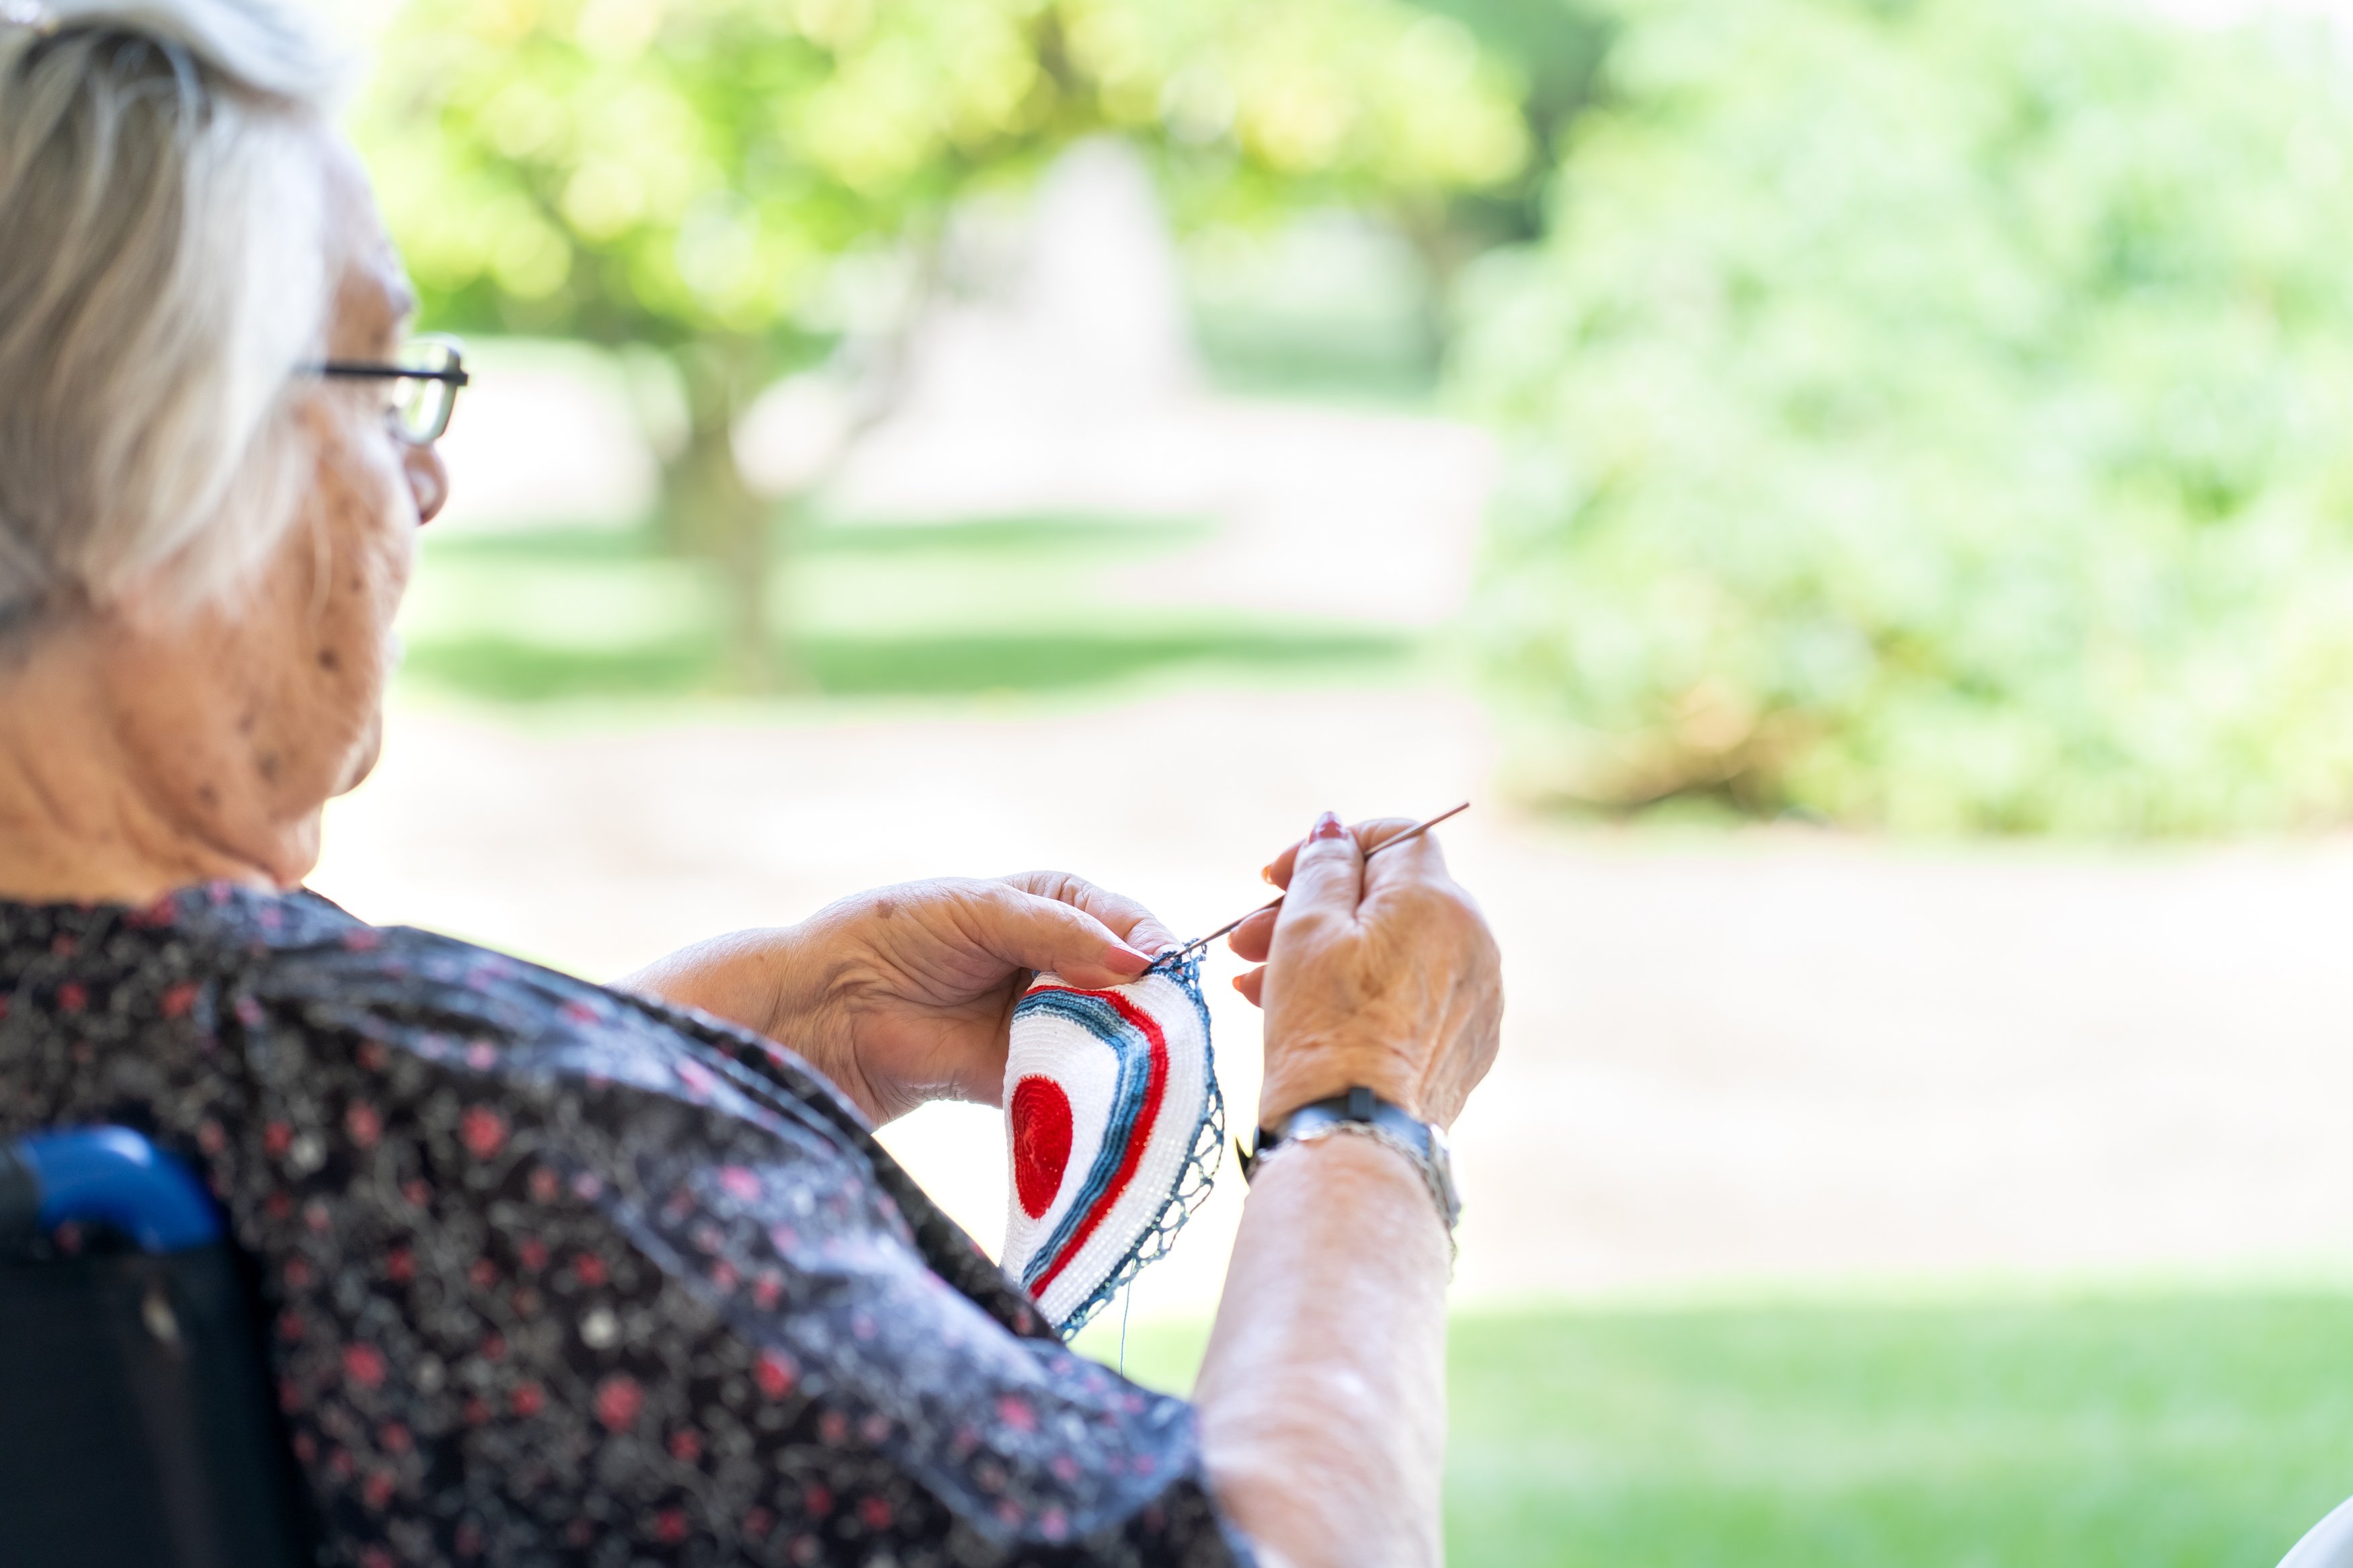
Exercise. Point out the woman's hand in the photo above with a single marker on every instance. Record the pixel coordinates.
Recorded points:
(1322, 1397)
(906, 995)
(1381, 972)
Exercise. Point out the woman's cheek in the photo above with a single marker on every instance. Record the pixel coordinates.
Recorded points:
(364, 754)
(373, 545)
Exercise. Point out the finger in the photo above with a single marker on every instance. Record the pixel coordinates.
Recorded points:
(1371, 834)
(1374, 832)
(1420, 859)
(1029, 931)
(1125, 917)
(1252, 938)
(1252, 985)
(1327, 876)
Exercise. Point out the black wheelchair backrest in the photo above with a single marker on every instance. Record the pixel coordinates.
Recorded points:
(138, 1427)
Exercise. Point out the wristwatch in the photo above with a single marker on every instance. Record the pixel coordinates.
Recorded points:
(1367, 1114)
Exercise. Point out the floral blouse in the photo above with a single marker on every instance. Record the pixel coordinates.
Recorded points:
(559, 1275)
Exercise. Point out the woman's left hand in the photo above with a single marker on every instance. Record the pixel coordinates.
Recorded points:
(906, 995)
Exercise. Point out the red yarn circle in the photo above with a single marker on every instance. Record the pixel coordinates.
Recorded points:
(1041, 1142)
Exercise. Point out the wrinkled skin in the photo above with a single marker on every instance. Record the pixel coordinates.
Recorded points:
(906, 995)
(1387, 976)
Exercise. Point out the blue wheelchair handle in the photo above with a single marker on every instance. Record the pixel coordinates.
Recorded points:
(104, 1176)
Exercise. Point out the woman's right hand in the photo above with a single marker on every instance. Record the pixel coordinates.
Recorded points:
(1382, 974)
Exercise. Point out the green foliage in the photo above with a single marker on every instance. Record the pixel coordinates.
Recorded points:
(668, 170)
(1557, 47)
(1933, 415)
(739, 182)
(2191, 1431)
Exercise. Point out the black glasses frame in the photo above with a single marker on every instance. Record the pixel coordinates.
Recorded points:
(455, 377)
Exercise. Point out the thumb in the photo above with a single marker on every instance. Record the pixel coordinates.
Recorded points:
(1042, 933)
(1327, 880)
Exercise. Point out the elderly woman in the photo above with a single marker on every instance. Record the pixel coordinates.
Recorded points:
(554, 1271)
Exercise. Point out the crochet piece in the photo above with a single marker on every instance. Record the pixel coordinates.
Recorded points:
(1114, 1129)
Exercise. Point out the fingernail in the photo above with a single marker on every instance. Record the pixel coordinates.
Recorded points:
(1123, 960)
(1327, 826)
(1266, 873)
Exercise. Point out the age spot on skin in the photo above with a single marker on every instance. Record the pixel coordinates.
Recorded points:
(267, 764)
(329, 659)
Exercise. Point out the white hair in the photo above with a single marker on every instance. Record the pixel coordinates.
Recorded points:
(165, 269)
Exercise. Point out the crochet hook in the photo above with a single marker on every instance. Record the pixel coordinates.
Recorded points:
(1176, 955)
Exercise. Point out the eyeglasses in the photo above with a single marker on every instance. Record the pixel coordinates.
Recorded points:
(420, 386)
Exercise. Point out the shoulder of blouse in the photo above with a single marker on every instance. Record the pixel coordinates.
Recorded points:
(473, 1009)
(301, 957)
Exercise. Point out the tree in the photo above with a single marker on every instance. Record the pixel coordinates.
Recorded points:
(692, 174)
(1932, 414)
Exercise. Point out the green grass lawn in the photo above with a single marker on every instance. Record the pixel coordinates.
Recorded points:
(2138, 1432)
(1018, 605)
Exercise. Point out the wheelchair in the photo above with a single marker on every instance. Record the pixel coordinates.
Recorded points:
(138, 1424)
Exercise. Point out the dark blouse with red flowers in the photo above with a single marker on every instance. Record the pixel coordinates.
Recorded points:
(557, 1275)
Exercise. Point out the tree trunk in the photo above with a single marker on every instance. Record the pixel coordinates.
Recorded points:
(710, 514)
